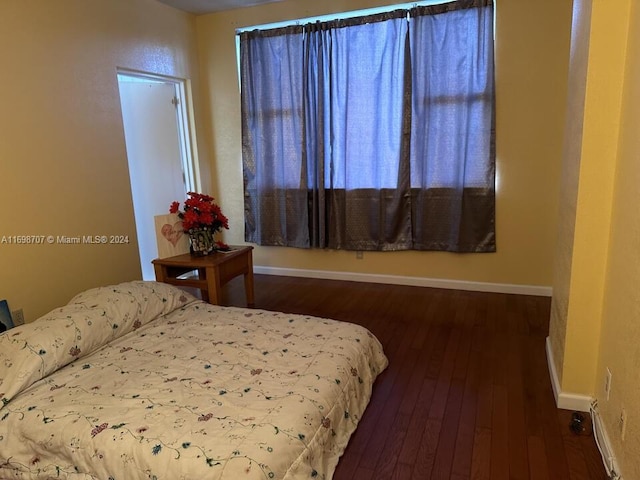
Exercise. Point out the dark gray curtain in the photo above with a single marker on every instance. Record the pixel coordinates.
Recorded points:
(373, 133)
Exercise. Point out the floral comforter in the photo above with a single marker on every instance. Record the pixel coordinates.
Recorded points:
(143, 381)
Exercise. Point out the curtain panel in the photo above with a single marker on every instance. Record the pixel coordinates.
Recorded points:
(372, 133)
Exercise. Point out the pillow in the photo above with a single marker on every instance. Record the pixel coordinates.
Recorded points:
(90, 320)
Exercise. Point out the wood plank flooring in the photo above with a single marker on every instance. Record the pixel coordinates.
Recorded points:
(467, 394)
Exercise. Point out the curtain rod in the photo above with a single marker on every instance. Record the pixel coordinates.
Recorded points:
(343, 15)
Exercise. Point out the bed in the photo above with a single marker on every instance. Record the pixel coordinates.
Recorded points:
(141, 380)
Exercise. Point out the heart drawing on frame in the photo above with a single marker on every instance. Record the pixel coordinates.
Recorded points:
(172, 232)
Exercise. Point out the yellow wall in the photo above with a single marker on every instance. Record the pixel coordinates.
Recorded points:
(63, 163)
(603, 102)
(569, 179)
(531, 65)
(595, 321)
(620, 337)
(575, 332)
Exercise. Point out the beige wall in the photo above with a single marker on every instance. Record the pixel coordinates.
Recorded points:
(531, 64)
(63, 163)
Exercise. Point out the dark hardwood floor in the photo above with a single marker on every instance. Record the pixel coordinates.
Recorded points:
(467, 393)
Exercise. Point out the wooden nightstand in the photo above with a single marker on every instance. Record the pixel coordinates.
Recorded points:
(213, 271)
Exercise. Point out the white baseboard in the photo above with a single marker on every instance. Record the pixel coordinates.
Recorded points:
(540, 291)
(565, 400)
(604, 445)
(584, 403)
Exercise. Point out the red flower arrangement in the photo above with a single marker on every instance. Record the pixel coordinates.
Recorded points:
(200, 212)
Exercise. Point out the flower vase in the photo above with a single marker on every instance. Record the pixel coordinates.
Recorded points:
(201, 241)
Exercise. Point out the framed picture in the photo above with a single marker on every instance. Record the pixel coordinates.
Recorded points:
(170, 237)
(5, 316)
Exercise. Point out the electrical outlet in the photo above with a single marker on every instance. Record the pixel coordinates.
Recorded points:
(18, 317)
(359, 254)
(607, 383)
(623, 423)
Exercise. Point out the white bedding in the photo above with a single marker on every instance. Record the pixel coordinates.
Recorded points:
(141, 380)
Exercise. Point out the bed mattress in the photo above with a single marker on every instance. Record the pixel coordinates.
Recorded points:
(142, 380)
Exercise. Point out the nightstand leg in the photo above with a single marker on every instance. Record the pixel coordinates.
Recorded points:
(204, 291)
(213, 285)
(160, 273)
(248, 286)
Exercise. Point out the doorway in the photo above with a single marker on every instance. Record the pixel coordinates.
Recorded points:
(159, 153)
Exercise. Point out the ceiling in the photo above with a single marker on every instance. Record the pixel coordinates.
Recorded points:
(207, 6)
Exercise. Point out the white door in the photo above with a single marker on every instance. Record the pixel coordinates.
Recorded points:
(152, 137)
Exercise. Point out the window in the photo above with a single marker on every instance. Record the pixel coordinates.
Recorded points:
(372, 133)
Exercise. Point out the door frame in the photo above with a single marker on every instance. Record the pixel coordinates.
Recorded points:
(186, 140)
(186, 130)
